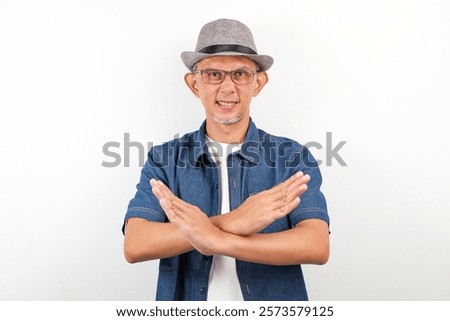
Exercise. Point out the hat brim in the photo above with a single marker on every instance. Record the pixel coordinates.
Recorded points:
(190, 58)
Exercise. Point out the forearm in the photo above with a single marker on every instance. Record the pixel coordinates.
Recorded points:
(145, 240)
(296, 246)
(231, 234)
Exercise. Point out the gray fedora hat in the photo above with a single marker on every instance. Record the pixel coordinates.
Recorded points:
(225, 37)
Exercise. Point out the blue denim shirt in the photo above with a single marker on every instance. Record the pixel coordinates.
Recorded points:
(263, 161)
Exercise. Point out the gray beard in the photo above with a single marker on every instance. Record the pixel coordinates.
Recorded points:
(227, 121)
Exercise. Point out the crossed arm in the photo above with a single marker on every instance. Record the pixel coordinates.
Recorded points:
(234, 234)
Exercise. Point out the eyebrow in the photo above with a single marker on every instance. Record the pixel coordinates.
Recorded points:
(239, 68)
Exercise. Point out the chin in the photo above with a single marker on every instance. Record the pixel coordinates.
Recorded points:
(227, 121)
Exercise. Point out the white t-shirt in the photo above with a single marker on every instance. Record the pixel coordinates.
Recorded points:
(223, 279)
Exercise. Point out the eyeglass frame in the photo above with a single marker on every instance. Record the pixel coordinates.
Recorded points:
(227, 73)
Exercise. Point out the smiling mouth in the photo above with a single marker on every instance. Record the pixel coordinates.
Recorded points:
(226, 104)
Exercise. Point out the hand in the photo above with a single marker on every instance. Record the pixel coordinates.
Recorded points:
(190, 220)
(260, 210)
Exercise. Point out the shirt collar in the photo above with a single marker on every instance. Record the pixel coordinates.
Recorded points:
(251, 138)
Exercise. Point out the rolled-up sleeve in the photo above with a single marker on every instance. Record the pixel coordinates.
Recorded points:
(313, 204)
(144, 204)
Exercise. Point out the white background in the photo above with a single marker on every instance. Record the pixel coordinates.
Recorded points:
(75, 75)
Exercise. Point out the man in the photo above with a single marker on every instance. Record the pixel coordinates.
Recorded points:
(271, 222)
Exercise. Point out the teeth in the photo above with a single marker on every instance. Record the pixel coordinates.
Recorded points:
(224, 103)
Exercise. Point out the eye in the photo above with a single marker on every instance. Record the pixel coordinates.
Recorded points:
(240, 74)
(214, 74)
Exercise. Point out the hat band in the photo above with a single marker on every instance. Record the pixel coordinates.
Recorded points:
(227, 48)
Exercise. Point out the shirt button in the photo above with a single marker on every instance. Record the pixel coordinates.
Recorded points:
(202, 291)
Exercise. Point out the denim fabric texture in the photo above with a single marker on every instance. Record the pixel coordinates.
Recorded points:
(263, 161)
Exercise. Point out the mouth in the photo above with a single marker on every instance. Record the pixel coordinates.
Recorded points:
(226, 105)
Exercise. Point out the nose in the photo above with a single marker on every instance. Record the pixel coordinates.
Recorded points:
(227, 86)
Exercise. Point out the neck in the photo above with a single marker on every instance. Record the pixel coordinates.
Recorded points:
(234, 133)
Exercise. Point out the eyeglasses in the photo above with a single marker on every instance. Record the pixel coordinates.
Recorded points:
(238, 76)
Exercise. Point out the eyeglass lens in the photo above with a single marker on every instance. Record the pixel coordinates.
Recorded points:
(240, 76)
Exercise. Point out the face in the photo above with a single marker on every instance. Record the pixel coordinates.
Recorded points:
(226, 103)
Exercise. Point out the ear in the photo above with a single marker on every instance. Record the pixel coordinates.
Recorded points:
(261, 80)
(191, 82)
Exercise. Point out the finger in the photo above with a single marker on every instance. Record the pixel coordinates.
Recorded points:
(153, 182)
(285, 192)
(293, 204)
(283, 186)
(166, 193)
(159, 187)
(292, 195)
(293, 178)
(160, 190)
(157, 192)
(169, 210)
(297, 186)
(169, 201)
(175, 202)
(305, 179)
(299, 179)
(302, 185)
(285, 209)
(295, 190)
